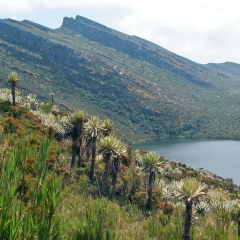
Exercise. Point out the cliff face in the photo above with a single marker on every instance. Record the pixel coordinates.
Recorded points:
(137, 48)
(144, 88)
(46, 50)
(43, 50)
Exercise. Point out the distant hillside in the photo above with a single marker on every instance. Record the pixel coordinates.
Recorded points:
(146, 90)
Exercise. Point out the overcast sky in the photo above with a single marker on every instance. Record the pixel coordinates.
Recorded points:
(201, 30)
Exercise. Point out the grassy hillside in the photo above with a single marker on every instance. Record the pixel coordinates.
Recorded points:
(146, 90)
(45, 196)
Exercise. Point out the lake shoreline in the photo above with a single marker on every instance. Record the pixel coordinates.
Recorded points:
(221, 156)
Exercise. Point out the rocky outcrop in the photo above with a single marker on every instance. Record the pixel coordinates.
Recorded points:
(77, 66)
(47, 49)
(137, 48)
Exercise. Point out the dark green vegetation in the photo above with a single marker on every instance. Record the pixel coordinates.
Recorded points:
(146, 90)
(49, 190)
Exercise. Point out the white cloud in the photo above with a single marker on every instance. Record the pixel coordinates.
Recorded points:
(202, 30)
(14, 18)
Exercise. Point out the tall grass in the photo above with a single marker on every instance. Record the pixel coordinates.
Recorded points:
(28, 203)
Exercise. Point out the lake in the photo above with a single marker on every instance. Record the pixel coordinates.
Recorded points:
(221, 157)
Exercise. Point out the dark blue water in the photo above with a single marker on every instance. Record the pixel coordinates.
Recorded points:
(221, 157)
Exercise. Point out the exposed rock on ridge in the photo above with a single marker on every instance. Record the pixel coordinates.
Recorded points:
(136, 47)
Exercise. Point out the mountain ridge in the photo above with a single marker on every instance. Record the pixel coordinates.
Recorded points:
(127, 45)
(148, 91)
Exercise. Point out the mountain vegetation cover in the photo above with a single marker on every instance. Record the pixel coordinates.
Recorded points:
(146, 90)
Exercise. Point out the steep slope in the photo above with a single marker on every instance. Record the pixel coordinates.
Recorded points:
(146, 90)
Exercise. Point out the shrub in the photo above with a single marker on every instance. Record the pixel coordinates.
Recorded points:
(11, 125)
(5, 106)
(166, 207)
